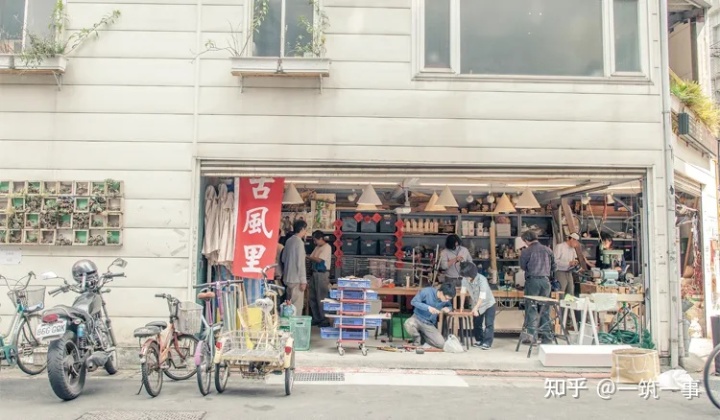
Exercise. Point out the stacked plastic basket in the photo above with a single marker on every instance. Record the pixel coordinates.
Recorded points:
(352, 306)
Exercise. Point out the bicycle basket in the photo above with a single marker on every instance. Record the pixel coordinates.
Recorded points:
(29, 297)
(189, 318)
(257, 346)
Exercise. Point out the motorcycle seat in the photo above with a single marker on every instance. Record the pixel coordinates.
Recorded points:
(65, 311)
(160, 324)
(147, 331)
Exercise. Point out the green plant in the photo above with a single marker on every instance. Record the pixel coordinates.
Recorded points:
(234, 47)
(113, 187)
(315, 43)
(691, 94)
(41, 47)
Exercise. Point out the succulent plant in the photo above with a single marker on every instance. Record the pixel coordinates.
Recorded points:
(15, 237)
(33, 188)
(81, 188)
(65, 205)
(33, 204)
(97, 240)
(63, 241)
(81, 221)
(98, 205)
(31, 237)
(113, 187)
(65, 188)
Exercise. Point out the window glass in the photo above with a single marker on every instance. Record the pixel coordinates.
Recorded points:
(437, 33)
(266, 38)
(40, 16)
(12, 15)
(627, 35)
(540, 37)
(298, 15)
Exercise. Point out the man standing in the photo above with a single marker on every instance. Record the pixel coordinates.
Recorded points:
(538, 263)
(566, 259)
(320, 284)
(427, 305)
(483, 304)
(294, 266)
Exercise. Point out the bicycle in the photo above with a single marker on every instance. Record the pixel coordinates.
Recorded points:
(711, 376)
(22, 345)
(156, 353)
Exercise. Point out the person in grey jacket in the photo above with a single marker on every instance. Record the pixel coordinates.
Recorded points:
(293, 259)
(483, 304)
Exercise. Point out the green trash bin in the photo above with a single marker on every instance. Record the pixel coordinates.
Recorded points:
(300, 330)
(398, 326)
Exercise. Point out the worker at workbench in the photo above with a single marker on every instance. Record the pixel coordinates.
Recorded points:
(606, 244)
(451, 257)
(427, 304)
(483, 304)
(566, 259)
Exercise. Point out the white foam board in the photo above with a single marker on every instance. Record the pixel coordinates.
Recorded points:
(577, 356)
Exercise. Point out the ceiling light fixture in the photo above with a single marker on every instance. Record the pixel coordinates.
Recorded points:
(369, 197)
(353, 196)
(292, 196)
(447, 199)
(504, 205)
(527, 200)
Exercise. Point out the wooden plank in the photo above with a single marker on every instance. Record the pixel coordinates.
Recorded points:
(96, 127)
(171, 185)
(141, 243)
(410, 132)
(95, 155)
(135, 17)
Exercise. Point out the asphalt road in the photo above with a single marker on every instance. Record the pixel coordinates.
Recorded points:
(383, 396)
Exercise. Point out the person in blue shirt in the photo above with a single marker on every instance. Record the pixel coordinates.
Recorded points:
(428, 303)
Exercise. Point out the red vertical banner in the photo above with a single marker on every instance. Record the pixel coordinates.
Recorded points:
(258, 226)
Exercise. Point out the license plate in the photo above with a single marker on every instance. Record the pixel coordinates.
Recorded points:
(47, 331)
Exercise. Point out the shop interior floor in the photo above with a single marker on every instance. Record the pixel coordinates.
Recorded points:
(502, 357)
(578, 356)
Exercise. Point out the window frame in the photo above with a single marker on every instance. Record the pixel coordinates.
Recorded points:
(23, 39)
(421, 72)
(248, 22)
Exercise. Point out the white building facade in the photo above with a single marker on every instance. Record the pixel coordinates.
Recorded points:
(411, 83)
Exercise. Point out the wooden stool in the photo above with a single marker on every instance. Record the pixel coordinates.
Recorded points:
(388, 323)
(464, 326)
(543, 305)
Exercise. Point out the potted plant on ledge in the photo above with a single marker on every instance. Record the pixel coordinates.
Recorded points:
(48, 53)
(309, 50)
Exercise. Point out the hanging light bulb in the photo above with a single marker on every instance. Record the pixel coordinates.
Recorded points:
(469, 199)
(490, 198)
(609, 199)
(352, 196)
(585, 200)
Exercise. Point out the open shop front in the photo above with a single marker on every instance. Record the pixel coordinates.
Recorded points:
(390, 226)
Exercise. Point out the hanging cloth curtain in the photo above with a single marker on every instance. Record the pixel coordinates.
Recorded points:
(210, 242)
(226, 226)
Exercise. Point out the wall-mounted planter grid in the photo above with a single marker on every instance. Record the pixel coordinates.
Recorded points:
(61, 213)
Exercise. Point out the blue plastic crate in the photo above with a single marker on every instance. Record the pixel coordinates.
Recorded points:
(354, 283)
(334, 333)
(356, 322)
(354, 294)
(346, 307)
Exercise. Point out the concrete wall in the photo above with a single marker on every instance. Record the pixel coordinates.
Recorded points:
(135, 108)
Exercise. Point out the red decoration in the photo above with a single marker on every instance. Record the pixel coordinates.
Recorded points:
(398, 234)
(358, 217)
(338, 224)
(376, 218)
(367, 219)
(399, 224)
(258, 226)
(338, 243)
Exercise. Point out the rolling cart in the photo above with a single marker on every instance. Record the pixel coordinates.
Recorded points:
(352, 306)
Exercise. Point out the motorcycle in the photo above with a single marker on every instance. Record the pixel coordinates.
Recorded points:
(81, 336)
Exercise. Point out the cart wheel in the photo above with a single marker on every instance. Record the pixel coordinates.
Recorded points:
(222, 373)
(341, 351)
(364, 351)
(290, 375)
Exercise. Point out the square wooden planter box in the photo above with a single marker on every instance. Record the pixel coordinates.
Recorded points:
(64, 238)
(5, 187)
(32, 221)
(33, 203)
(31, 236)
(81, 237)
(113, 237)
(47, 237)
(97, 238)
(254, 66)
(65, 188)
(33, 187)
(81, 221)
(3, 236)
(98, 188)
(98, 221)
(15, 236)
(81, 188)
(305, 66)
(48, 65)
(64, 221)
(50, 188)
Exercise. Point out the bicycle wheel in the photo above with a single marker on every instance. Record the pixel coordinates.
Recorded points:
(32, 354)
(149, 369)
(205, 368)
(181, 358)
(711, 376)
(222, 373)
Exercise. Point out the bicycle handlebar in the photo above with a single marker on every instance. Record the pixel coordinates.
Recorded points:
(216, 284)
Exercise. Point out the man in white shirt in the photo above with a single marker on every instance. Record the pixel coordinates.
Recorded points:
(320, 280)
(566, 260)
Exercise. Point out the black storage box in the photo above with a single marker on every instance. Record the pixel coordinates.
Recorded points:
(349, 224)
(368, 227)
(387, 224)
(350, 246)
(387, 247)
(369, 247)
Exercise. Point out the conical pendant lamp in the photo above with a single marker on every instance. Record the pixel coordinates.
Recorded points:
(447, 199)
(504, 205)
(366, 207)
(369, 197)
(292, 196)
(432, 204)
(527, 200)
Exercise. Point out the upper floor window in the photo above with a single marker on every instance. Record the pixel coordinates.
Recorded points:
(565, 38)
(287, 28)
(20, 17)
